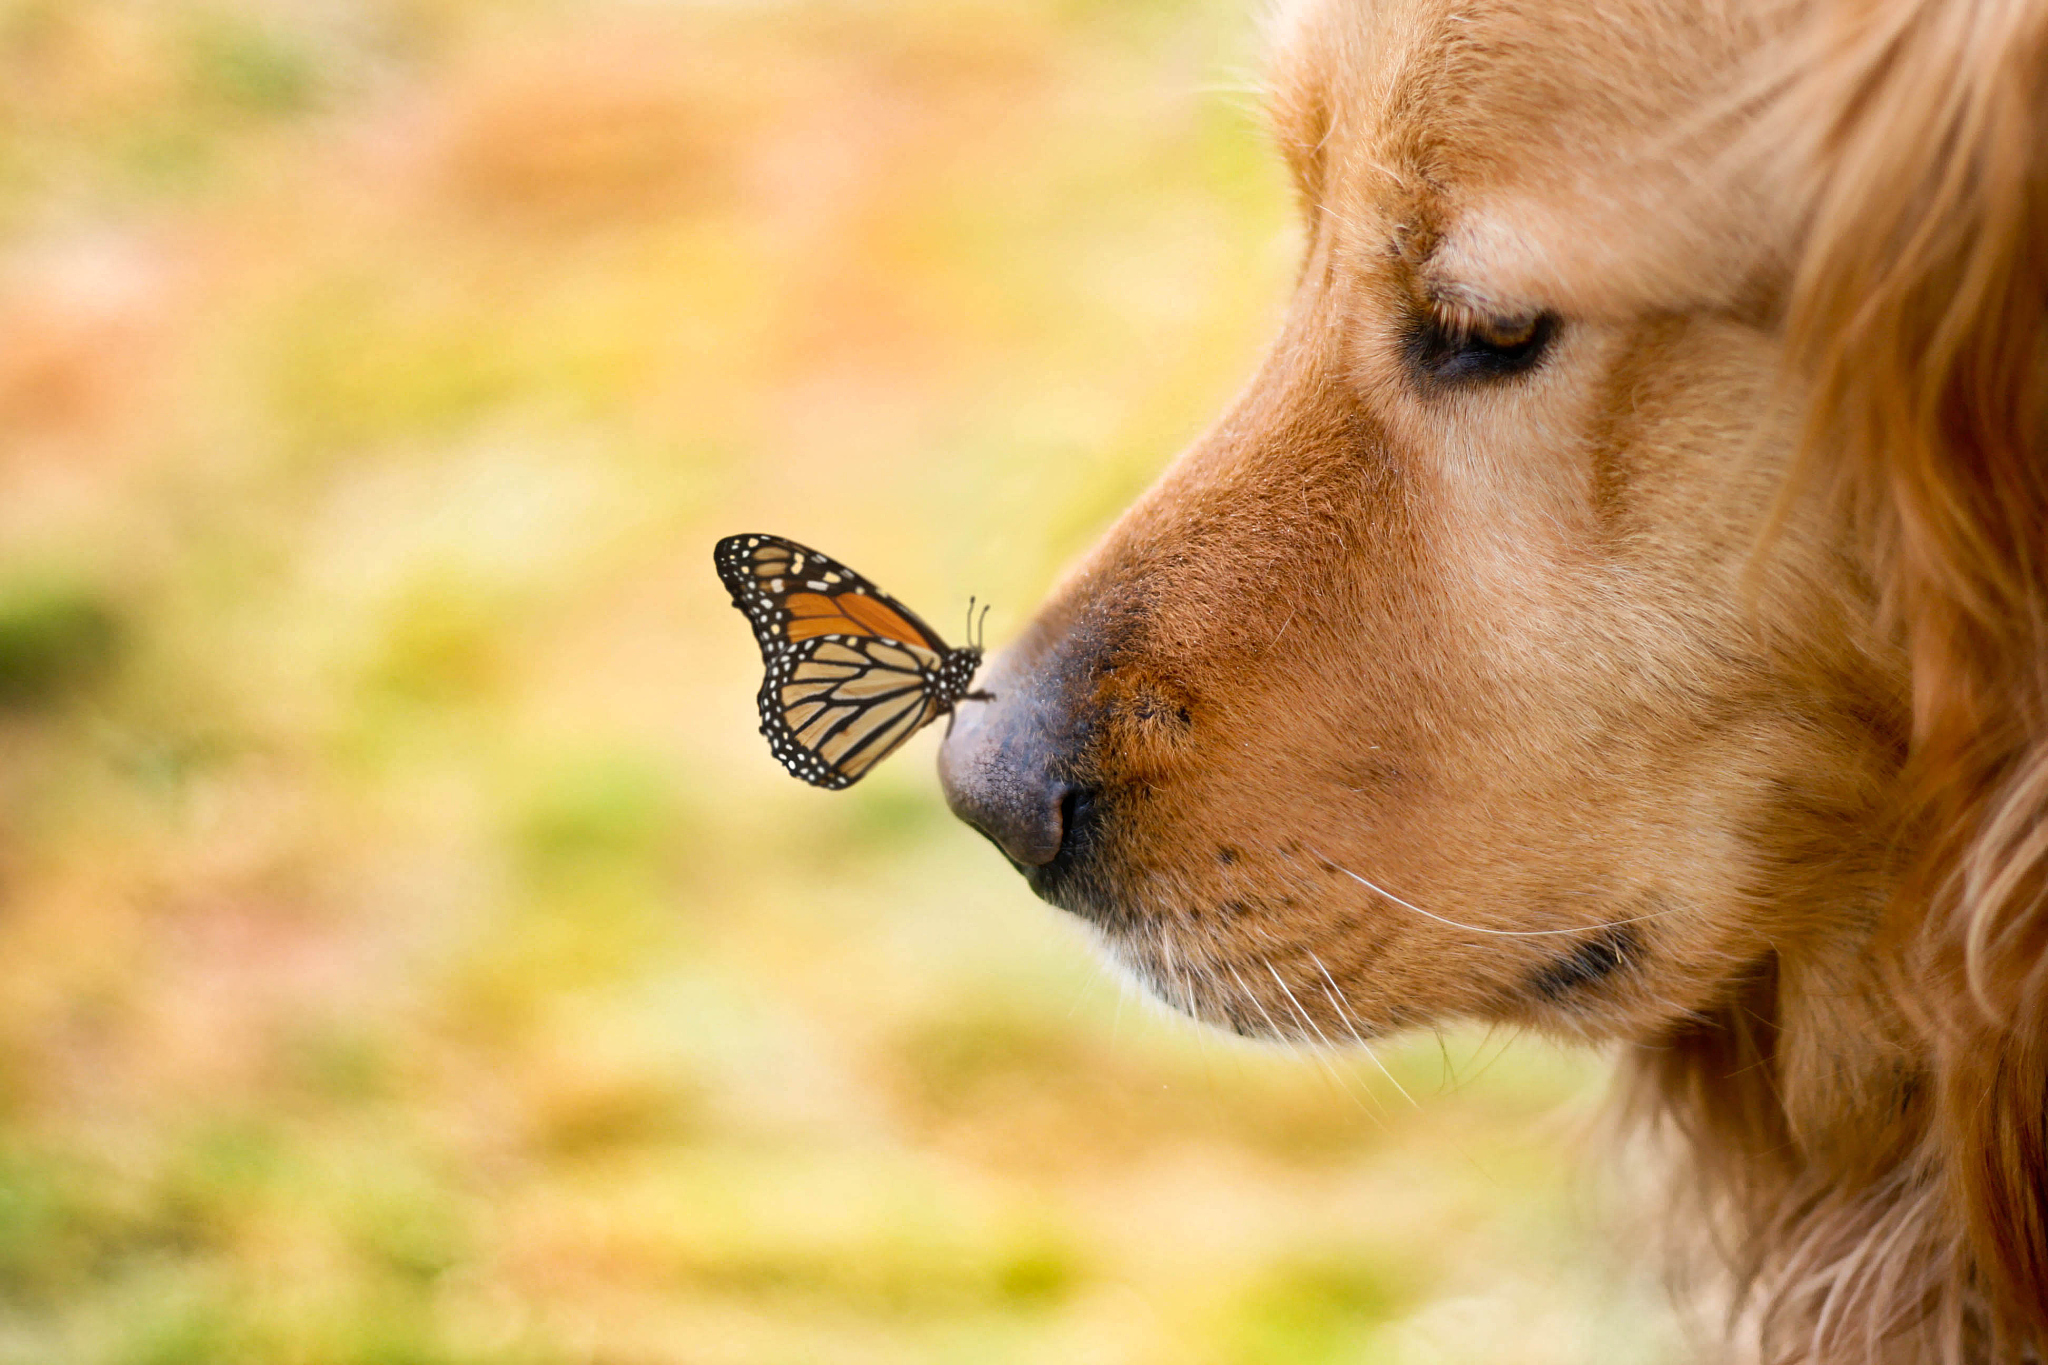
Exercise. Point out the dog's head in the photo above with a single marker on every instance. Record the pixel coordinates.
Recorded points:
(1437, 679)
(1619, 606)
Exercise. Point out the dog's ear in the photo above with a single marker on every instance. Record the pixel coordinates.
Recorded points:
(1916, 312)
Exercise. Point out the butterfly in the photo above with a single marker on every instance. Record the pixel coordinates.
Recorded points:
(851, 672)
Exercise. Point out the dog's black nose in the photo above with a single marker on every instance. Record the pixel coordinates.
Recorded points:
(1006, 765)
(998, 776)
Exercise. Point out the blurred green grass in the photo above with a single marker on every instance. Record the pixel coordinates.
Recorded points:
(408, 951)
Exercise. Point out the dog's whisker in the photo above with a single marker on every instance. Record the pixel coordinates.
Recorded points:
(1443, 1052)
(1081, 992)
(1322, 1057)
(1309, 1019)
(1513, 1035)
(1178, 984)
(1344, 1012)
(1306, 1018)
(1457, 1082)
(1282, 631)
(1480, 928)
(1260, 1006)
(1123, 996)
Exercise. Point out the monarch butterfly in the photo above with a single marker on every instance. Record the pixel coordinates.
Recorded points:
(851, 672)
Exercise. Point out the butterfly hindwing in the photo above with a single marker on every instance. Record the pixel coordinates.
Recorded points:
(851, 673)
(835, 706)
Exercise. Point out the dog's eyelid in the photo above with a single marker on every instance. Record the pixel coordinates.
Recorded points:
(1451, 341)
(1462, 309)
(1500, 333)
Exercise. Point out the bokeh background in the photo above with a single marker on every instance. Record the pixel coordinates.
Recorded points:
(409, 953)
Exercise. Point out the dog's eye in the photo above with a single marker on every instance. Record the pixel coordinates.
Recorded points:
(1448, 346)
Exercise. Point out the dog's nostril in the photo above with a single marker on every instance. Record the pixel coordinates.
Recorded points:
(1077, 806)
(1072, 802)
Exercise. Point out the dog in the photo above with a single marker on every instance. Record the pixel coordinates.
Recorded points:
(1618, 608)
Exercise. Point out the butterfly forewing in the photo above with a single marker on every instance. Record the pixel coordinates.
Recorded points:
(851, 673)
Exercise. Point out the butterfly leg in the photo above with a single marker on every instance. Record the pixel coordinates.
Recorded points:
(953, 715)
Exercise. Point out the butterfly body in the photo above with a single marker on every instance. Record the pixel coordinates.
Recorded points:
(851, 673)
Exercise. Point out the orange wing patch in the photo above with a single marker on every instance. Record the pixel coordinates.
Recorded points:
(877, 617)
(816, 614)
(849, 613)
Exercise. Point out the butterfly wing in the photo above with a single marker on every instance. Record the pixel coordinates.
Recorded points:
(836, 706)
(791, 593)
(851, 672)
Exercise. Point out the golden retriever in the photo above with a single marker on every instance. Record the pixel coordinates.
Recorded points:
(1619, 607)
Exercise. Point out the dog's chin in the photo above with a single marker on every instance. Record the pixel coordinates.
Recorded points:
(1226, 991)
(1219, 980)
(1220, 955)
(1134, 939)
(1150, 963)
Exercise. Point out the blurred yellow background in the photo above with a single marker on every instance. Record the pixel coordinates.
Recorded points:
(409, 952)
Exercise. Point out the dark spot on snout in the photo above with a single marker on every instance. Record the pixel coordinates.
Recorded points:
(1226, 856)
(1152, 704)
(1591, 960)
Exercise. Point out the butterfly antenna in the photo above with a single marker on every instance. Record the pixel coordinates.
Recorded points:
(982, 627)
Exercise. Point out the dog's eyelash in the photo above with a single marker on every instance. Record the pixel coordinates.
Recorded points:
(1454, 344)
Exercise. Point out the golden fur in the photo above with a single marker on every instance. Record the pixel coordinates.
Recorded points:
(1688, 688)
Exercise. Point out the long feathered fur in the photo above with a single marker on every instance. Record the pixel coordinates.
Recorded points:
(1914, 1225)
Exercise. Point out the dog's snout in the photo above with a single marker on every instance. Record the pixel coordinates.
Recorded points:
(1001, 767)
